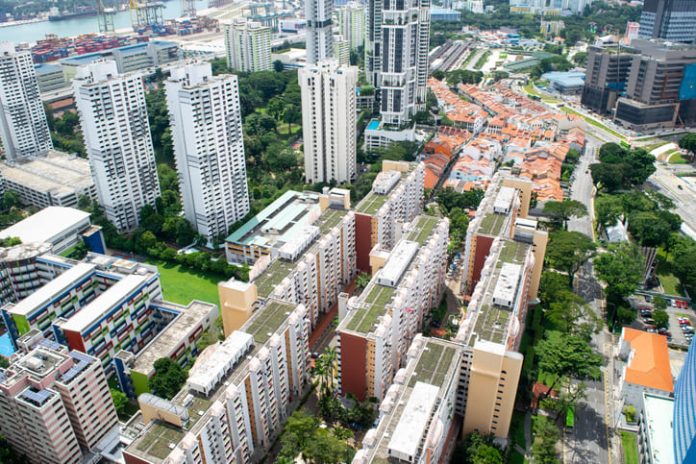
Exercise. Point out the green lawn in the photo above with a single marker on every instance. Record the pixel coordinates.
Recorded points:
(183, 285)
(670, 283)
(630, 447)
(532, 90)
(677, 158)
(593, 122)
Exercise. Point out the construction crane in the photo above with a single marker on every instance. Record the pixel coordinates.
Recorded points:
(105, 17)
(188, 8)
(146, 14)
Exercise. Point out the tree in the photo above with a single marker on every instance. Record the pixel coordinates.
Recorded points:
(661, 318)
(168, 379)
(278, 66)
(580, 58)
(326, 374)
(562, 211)
(479, 449)
(622, 268)
(10, 242)
(568, 313)
(568, 251)
(567, 356)
(299, 430)
(688, 142)
(362, 280)
(608, 177)
(653, 228)
(684, 262)
(9, 200)
(546, 435)
(608, 209)
(120, 401)
(326, 448)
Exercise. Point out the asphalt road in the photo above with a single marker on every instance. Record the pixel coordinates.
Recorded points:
(582, 188)
(678, 190)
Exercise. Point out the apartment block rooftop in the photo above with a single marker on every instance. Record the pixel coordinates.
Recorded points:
(171, 336)
(492, 305)
(154, 441)
(406, 411)
(48, 225)
(382, 186)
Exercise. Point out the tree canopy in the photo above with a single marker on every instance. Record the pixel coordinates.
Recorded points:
(561, 211)
(622, 268)
(621, 167)
(568, 251)
(168, 379)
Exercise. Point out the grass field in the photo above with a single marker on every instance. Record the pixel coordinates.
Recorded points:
(630, 447)
(670, 283)
(677, 158)
(183, 285)
(531, 90)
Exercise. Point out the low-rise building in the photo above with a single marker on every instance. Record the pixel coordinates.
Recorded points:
(57, 179)
(146, 55)
(56, 406)
(645, 366)
(60, 227)
(49, 77)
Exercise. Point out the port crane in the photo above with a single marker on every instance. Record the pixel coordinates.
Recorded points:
(105, 17)
(188, 8)
(146, 14)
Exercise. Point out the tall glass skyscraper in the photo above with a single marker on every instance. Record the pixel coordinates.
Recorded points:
(684, 422)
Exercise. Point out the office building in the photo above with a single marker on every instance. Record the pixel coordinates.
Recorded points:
(655, 428)
(23, 126)
(56, 406)
(396, 56)
(660, 88)
(116, 130)
(685, 411)
(206, 123)
(644, 365)
(314, 263)
(177, 341)
(154, 53)
(319, 30)
(606, 73)
(672, 20)
(329, 121)
(248, 46)
(396, 198)
(58, 226)
(57, 179)
(49, 77)
(377, 327)
(341, 50)
(351, 23)
(417, 415)
(237, 396)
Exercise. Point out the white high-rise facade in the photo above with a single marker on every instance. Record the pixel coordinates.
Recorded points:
(396, 56)
(318, 14)
(114, 122)
(248, 46)
(23, 127)
(351, 22)
(206, 125)
(329, 121)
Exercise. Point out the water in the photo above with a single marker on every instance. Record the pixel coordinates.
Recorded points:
(83, 25)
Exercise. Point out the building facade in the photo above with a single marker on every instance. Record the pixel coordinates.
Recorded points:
(248, 46)
(396, 56)
(206, 123)
(117, 137)
(329, 121)
(351, 23)
(56, 405)
(685, 411)
(319, 30)
(673, 20)
(23, 126)
(606, 74)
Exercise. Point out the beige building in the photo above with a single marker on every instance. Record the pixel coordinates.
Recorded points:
(56, 406)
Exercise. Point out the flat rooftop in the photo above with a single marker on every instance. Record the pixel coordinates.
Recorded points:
(492, 321)
(267, 321)
(423, 228)
(105, 302)
(53, 289)
(659, 412)
(172, 335)
(274, 274)
(373, 306)
(57, 173)
(492, 223)
(371, 203)
(48, 225)
(436, 366)
(280, 221)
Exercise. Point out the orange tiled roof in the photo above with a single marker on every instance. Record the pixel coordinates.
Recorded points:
(649, 366)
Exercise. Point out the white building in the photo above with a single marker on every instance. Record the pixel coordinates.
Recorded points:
(117, 137)
(23, 127)
(319, 34)
(341, 50)
(248, 46)
(209, 148)
(61, 227)
(351, 23)
(328, 121)
(396, 56)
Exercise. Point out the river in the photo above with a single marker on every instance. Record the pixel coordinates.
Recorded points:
(84, 25)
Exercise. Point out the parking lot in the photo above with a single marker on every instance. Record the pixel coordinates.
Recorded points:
(679, 335)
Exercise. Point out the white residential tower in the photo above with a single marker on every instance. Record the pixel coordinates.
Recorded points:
(328, 121)
(351, 22)
(248, 46)
(318, 14)
(207, 132)
(114, 122)
(23, 127)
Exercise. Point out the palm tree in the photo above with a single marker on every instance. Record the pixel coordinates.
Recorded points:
(326, 373)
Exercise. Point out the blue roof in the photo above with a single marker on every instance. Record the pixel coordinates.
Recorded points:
(43, 68)
(567, 79)
(82, 59)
